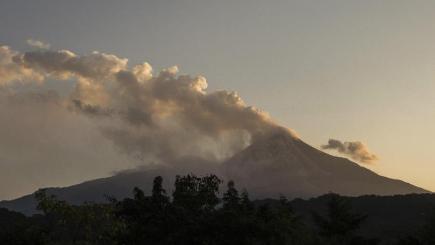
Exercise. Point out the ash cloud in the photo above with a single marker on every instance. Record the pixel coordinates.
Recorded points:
(154, 117)
(11, 71)
(355, 150)
(38, 44)
(44, 144)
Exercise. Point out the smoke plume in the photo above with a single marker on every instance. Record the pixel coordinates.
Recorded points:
(38, 44)
(154, 117)
(10, 71)
(43, 144)
(356, 150)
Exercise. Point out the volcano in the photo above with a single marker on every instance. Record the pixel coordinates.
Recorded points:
(282, 164)
(276, 164)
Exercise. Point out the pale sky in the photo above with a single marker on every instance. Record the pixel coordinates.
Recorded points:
(350, 70)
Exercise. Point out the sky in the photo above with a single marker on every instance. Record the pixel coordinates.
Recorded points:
(348, 70)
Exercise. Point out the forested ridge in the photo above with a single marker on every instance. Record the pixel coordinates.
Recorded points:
(197, 212)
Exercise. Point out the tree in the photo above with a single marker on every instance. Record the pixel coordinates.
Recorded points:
(340, 223)
(158, 193)
(428, 231)
(196, 194)
(147, 219)
(16, 228)
(231, 199)
(409, 240)
(70, 224)
(278, 223)
(232, 223)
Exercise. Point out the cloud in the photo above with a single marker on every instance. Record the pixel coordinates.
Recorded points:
(11, 71)
(44, 144)
(64, 64)
(155, 117)
(115, 114)
(169, 116)
(356, 150)
(38, 44)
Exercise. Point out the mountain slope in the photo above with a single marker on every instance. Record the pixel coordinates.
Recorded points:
(277, 164)
(119, 186)
(283, 164)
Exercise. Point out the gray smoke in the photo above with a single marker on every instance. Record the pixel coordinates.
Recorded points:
(37, 44)
(356, 150)
(152, 117)
(10, 71)
(43, 144)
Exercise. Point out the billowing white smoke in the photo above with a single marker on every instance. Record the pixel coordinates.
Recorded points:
(156, 118)
(38, 44)
(11, 71)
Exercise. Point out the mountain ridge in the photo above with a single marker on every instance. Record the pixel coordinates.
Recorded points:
(298, 168)
(276, 164)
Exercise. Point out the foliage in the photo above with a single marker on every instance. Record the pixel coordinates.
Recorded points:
(340, 223)
(195, 214)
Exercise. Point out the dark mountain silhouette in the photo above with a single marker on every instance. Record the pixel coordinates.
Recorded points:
(118, 186)
(277, 164)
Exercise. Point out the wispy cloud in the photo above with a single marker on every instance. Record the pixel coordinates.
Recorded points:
(356, 150)
(38, 44)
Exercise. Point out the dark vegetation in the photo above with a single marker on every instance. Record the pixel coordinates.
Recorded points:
(197, 213)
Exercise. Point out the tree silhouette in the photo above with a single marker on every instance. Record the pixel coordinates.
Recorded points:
(195, 214)
(428, 231)
(340, 222)
(158, 193)
(196, 194)
(70, 224)
(231, 199)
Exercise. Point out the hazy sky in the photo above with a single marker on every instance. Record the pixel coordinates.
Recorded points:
(350, 70)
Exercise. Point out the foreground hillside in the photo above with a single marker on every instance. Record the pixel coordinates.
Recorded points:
(388, 217)
(197, 212)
